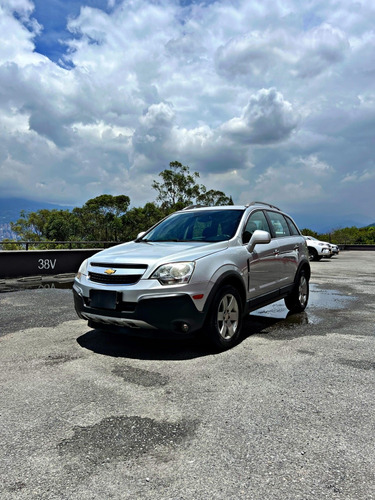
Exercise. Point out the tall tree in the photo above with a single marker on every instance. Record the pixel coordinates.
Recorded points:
(179, 186)
(180, 189)
(106, 203)
(100, 217)
(32, 226)
(213, 198)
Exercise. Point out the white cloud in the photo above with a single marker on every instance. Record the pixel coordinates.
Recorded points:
(267, 119)
(315, 165)
(358, 177)
(252, 54)
(291, 184)
(321, 48)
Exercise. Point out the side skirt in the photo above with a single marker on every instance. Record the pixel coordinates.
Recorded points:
(269, 298)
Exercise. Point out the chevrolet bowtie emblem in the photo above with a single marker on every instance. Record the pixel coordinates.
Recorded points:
(109, 271)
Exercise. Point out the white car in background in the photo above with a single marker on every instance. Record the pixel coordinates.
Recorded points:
(318, 249)
(334, 248)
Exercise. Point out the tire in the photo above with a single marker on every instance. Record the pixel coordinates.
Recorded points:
(224, 320)
(297, 300)
(313, 254)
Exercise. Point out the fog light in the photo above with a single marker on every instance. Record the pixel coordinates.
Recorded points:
(184, 327)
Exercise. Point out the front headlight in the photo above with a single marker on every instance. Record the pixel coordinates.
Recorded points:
(175, 273)
(82, 271)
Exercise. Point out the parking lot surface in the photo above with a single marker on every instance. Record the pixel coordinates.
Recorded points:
(286, 414)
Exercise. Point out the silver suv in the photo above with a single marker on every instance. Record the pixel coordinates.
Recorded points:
(201, 269)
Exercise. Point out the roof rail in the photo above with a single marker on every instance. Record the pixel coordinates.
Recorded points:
(193, 206)
(262, 203)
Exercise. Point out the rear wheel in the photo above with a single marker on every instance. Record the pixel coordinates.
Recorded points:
(297, 300)
(224, 319)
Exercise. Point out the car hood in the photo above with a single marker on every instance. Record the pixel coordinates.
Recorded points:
(317, 242)
(151, 253)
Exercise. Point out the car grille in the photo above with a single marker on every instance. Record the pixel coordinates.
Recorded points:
(135, 273)
(121, 279)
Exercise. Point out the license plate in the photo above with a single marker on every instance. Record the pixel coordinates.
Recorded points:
(103, 300)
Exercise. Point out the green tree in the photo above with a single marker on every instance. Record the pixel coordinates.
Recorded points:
(213, 198)
(180, 189)
(100, 217)
(108, 204)
(179, 186)
(31, 226)
(59, 226)
(140, 219)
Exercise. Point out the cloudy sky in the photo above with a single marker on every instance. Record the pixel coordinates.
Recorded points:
(269, 100)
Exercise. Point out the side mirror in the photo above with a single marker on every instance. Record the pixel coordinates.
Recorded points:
(259, 237)
(139, 235)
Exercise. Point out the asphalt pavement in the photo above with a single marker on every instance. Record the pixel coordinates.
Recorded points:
(286, 414)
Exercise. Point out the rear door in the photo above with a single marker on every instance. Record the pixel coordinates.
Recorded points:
(287, 244)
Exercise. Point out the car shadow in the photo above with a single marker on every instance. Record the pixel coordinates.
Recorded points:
(118, 345)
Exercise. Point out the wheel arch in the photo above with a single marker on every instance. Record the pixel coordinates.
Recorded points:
(228, 278)
(305, 267)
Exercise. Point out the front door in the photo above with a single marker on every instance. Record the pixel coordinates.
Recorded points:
(263, 261)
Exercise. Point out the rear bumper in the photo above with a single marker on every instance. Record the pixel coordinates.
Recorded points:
(175, 313)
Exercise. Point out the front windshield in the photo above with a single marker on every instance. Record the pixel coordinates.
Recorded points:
(208, 225)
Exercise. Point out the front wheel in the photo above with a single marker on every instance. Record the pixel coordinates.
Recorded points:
(313, 254)
(297, 300)
(224, 319)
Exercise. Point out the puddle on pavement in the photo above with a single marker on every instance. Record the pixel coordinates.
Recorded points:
(63, 281)
(319, 299)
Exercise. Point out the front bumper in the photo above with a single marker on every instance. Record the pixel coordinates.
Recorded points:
(325, 252)
(173, 313)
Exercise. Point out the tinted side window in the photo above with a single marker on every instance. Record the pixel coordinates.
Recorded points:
(279, 224)
(257, 220)
(293, 228)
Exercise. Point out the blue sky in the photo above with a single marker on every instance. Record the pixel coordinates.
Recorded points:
(53, 16)
(271, 100)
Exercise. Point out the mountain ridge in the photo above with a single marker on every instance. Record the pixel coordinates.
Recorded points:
(10, 211)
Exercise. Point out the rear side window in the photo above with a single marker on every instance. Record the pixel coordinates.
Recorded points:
(279, 224)
(294, 231)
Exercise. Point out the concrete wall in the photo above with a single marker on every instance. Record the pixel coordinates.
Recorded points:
(357, 247)
(19, 263)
